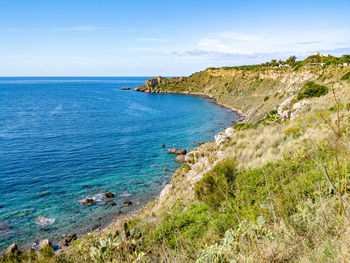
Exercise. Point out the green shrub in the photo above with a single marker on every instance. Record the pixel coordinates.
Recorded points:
(295, 131)
(346, 76)
(217, 184)
(243, 126)
(271, 118)
(187, 224)
(266, 98)
(311, 89)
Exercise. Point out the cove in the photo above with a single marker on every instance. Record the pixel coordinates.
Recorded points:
(66, 139)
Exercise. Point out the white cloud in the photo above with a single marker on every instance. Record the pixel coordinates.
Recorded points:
(231, 44)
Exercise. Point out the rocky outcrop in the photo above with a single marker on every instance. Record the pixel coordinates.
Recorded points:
(151, 84)
(44, 244)
(69, 239)
(166, 190)
(177, 151)
(224, 136)
(221, 138)
(180, 158)
(297, 108)
(289, 110)
(12, 249)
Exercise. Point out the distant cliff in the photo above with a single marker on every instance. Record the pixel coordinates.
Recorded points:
(150, 84)
(253, 92)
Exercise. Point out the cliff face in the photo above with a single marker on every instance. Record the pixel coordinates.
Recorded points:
(254, 93)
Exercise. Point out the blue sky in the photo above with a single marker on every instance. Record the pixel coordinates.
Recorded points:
(147, 38)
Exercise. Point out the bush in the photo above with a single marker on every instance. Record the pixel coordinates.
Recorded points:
(243, 126)
(182, 224)
(271, 118)
(217, 184)
(346, 76)
(311, 89)
(295, 131)
(266, 98)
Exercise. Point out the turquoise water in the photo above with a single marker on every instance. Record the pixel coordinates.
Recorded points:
(66, 139)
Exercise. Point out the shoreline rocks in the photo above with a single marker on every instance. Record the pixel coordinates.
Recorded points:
(44, 243)
(177, 151)
(127, 202)
(109, 195)
(180, 158)
(12, 249)
(88, 202)
(69, 239)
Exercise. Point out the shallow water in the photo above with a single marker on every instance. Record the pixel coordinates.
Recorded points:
(63, 140)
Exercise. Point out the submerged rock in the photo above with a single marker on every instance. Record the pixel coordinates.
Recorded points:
(124, 195)
(166, 169)
(44, 193)
(125, 88)
(109, 195)
(163, 145)
(177, 151)
(88, 202)
(44, 221)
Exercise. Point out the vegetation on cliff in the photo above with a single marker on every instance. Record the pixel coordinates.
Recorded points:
(275, 189)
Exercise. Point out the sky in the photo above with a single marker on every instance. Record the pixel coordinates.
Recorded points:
(169, 38)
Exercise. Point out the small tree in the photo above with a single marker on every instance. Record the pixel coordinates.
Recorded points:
(291, 60)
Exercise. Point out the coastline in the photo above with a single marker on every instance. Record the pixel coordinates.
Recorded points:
(135, 210)
(210, 97)
(139, 211)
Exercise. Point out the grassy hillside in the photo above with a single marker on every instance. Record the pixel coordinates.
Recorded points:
(253, 92)
(274, 189)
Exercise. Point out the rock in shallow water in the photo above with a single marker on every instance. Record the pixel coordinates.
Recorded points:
(44, 221)
(109, 195)
(127, 202)
(88, 202)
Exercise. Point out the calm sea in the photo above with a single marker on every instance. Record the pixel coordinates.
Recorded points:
(66, 139)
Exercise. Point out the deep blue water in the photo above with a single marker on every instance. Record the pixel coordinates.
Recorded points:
(65, 139)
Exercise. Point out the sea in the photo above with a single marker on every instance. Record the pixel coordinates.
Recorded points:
(66, 139)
